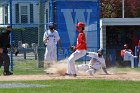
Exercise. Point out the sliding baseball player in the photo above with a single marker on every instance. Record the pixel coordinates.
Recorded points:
(97, 62)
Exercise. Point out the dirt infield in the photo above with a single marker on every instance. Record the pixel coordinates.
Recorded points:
(58, 71)
(134, 76)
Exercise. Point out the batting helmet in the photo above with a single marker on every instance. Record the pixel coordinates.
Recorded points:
(101, 50)
(51, 25)
(81, 24)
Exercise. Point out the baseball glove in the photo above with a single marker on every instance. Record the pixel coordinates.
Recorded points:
(72, 48)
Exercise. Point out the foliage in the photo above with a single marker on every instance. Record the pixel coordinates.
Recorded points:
(132, 8)
(110, 8)
(113, 8)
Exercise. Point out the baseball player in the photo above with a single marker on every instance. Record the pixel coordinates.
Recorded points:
(127, 55)
(97, 61)
(80, 50)
(50, 39)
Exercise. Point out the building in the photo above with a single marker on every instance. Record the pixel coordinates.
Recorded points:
(24, 12)
(115, 32)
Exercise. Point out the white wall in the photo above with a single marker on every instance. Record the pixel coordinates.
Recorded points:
(36, 13)
(1, 16)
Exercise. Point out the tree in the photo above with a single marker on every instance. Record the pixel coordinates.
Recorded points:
(110, 8)
(132, 8)
(113, 8)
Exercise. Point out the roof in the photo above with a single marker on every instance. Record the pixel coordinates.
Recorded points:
(119, 21)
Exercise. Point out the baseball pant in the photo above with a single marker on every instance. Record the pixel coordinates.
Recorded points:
(51, 54)
(92, 69)
(5, 61)
(89, 69)
(82, 67)
(71, 60)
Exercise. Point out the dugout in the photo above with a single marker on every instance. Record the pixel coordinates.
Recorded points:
(114, 33)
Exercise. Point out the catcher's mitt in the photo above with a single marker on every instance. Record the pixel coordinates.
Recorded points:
(72, 48)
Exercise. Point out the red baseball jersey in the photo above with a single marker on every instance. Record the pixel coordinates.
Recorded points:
(81, 41)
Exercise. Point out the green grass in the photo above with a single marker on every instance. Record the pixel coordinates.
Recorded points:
(30, 67)
(21, 67)
(27, 67)
(78, 86)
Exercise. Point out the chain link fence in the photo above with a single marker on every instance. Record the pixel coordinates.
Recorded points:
(29, 21)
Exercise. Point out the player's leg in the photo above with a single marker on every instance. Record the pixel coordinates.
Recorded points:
(6, 63)
(47, 57)
(94, 68)
(1, 60)
(132, 61)
(82, 67)
(91, 71)
(54, 55)
(74, 56)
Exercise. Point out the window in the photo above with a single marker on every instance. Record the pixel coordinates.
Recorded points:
(31, 13)
(24, 14)
(17, 13)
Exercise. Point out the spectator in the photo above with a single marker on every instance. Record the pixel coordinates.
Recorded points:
(127, 55)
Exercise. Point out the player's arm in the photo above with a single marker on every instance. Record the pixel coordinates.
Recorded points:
(90, 54)
(45, 38)
(104, 69)
(58, 40)
(131, 51)
(59, 44)
(122, 53)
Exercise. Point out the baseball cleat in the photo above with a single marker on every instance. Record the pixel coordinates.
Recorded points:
(74, 75)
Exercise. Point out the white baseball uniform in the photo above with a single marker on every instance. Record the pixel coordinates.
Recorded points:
(95, 63)
(50, 39)
(73, 57)
(129, 57)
